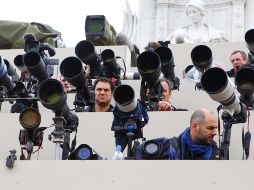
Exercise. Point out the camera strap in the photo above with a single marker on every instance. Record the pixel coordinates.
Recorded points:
(246, 138)
(73, 143)
(39, 147)
(243, 141)
(25, 144)
(218, 111)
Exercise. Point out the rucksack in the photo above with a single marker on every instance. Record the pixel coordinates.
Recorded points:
(12, 34)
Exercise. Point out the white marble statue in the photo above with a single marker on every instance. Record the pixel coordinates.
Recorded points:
(197, 31)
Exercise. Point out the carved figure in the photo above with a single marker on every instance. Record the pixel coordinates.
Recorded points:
(197, 31)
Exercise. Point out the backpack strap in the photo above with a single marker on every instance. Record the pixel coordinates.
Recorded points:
(216, 152)
(175, 151)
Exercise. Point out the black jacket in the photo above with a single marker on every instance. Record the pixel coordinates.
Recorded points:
(178, 109)
(176, 143)
(231, 73)
(92, 108)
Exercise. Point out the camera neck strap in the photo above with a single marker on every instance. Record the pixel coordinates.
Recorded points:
(73, 143)
(218, 115)
(246, 138)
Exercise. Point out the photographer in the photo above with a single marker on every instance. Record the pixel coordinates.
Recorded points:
(237, 58)
(164, 104)
(196, 142)
(151, 46)
(242, 72)
(103, 90)
(66, 84)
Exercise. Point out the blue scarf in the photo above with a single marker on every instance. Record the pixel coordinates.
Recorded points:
(204, 151)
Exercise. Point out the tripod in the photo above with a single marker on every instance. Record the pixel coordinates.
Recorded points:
(1, 96)
(228, 121)
(58, 136)
(225, 143)
(128, 132)
(61, 136)
(131, 127)
(151, 93)
(79, 101)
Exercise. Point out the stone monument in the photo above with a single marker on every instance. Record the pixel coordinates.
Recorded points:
(157, 19)
(197, 31)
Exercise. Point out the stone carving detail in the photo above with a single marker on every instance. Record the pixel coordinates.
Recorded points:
(231, 17)
(197, 31)
(130, 23)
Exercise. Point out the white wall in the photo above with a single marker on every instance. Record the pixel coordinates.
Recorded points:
(126, 175)
(94, 130)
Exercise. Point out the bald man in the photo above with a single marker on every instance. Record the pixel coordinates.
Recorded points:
(197, 141)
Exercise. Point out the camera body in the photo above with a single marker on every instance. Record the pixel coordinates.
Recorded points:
(249, 39)
(130, 116)
(157, 149)
(35, 136)
(33, 45)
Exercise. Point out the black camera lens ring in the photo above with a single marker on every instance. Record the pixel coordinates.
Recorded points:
(155, 149)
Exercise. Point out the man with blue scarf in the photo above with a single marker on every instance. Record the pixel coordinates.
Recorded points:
(196, 142)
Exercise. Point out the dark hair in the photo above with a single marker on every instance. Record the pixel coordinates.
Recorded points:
(243, 54)
(106, 80)
(170, 85)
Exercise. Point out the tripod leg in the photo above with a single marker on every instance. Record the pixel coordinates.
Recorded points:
(129, 155)
(65, 147)
(135, 145)
(58, 151)
(225, 141)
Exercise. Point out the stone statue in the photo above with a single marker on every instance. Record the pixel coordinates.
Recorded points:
(197, 31)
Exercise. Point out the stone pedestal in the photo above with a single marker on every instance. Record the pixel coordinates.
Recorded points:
(161, 19)
(249, 15)
(146, 23)
(238, 20)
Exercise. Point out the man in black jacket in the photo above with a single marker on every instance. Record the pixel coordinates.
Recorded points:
(237, 58)
(194, 143)
(164, 104)
(103, 90)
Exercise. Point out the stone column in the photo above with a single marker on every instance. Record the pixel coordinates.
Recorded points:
(249, 15)
(238, 20)
(146, 23)
(161, 19)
